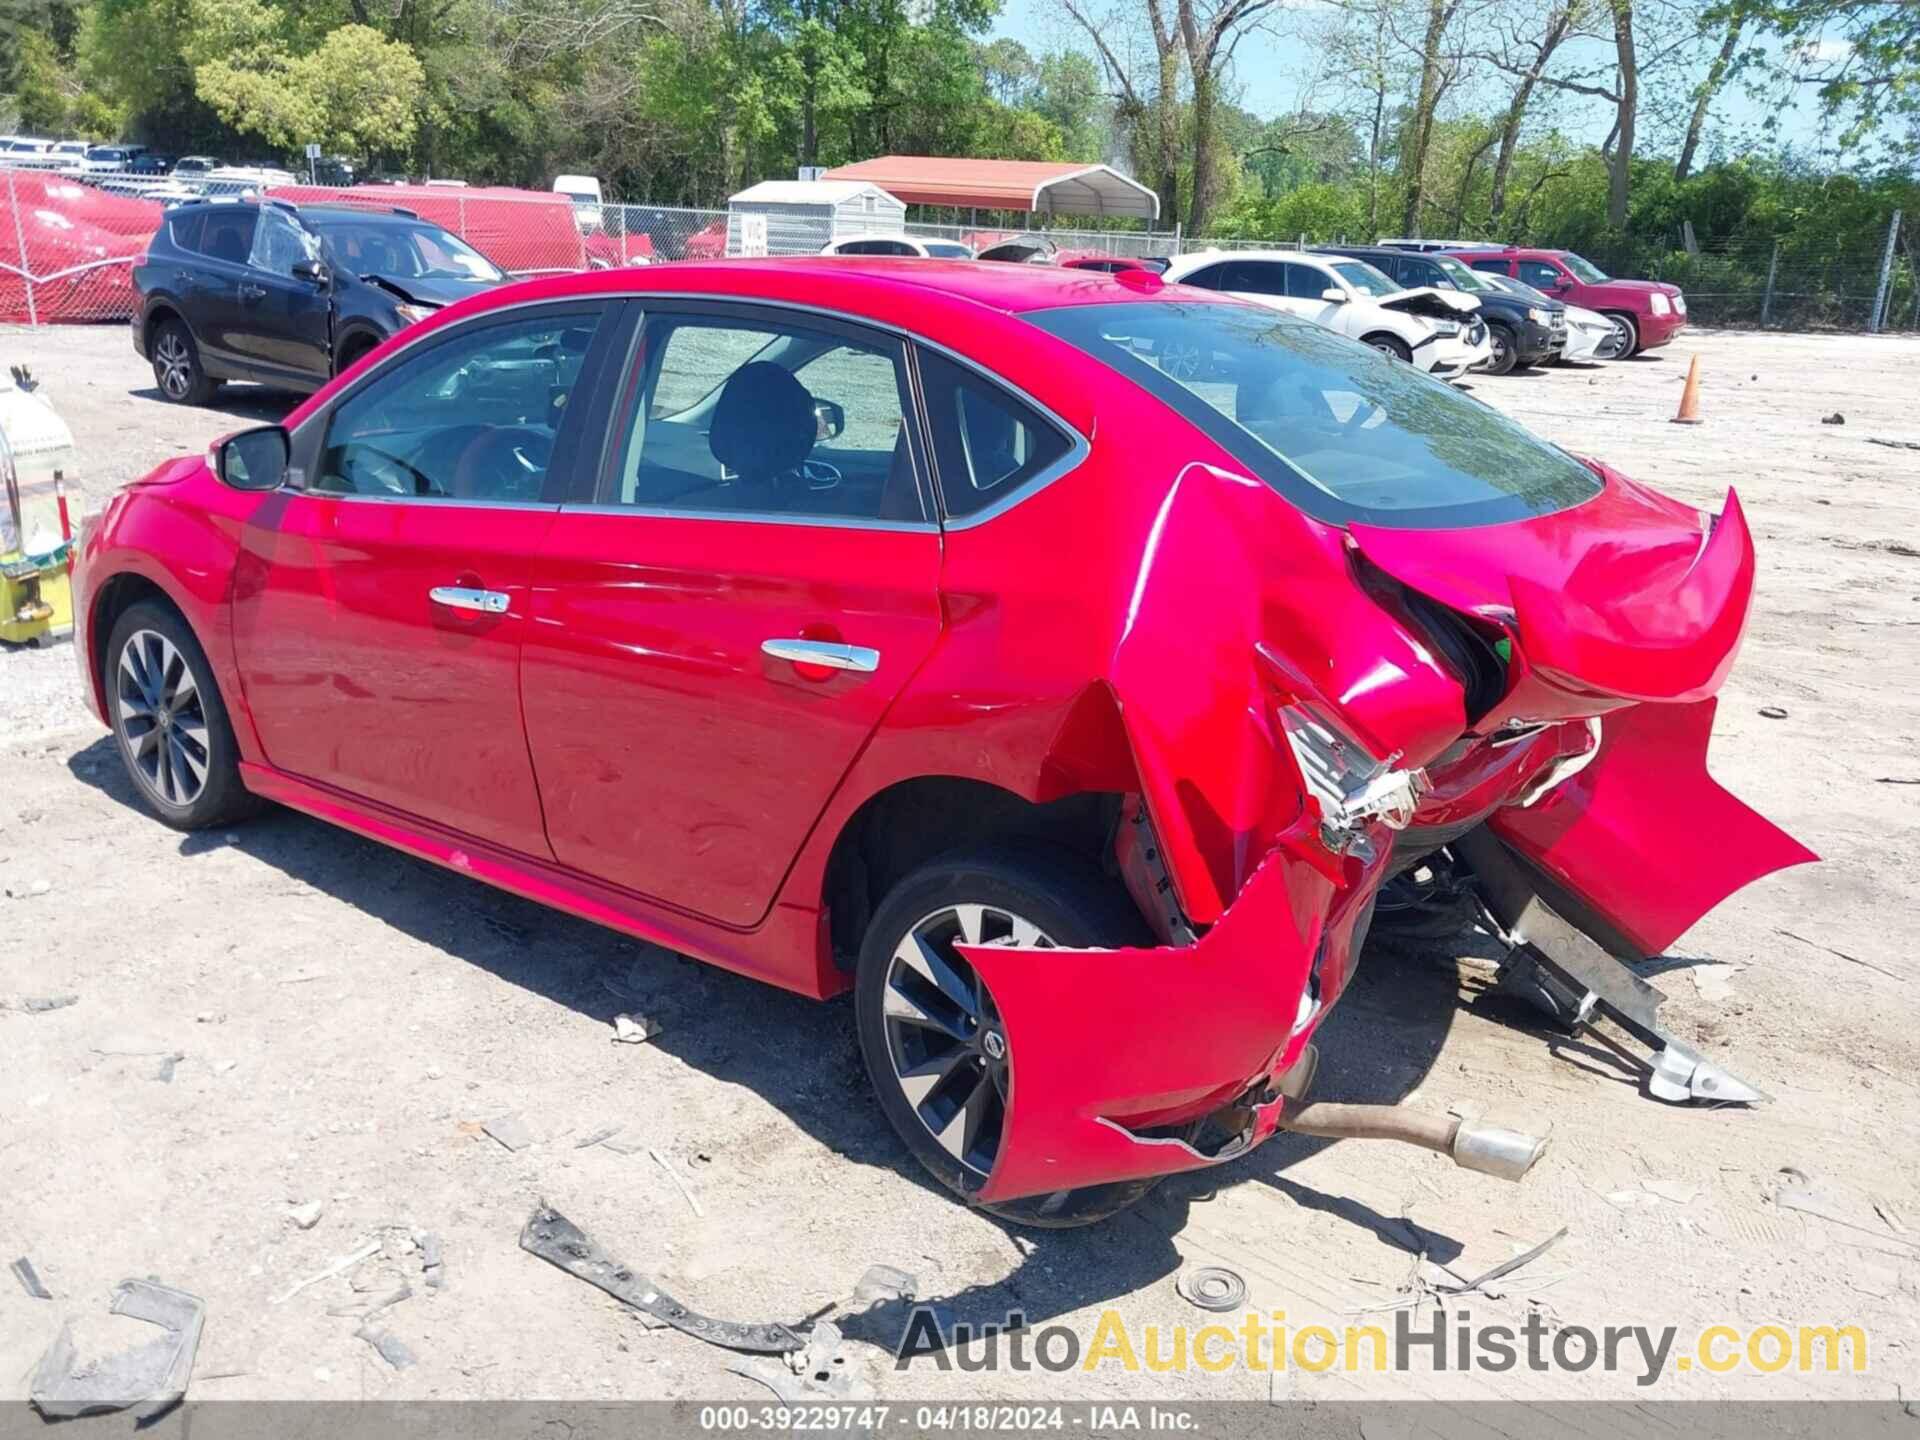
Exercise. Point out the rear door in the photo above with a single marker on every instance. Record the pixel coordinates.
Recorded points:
(381, 600)
(719, 625)
(219, 265)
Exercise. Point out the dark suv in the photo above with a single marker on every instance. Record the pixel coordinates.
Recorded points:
(288, 295)
(1522, 333)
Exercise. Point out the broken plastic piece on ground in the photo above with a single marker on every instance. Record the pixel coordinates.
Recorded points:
(634, 1029)
(560, 1242)
(152, 1376)
(40, 1004)
(339, 1267)
(432, 1260)
(29, 1279)
(885, 1282)
(1211, 1287)
(510, 1130)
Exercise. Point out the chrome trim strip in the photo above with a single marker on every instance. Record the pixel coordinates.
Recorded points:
(825, 653)
(438, 502)
(759, 517)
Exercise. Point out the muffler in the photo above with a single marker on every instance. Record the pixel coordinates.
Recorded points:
(1490, 1149)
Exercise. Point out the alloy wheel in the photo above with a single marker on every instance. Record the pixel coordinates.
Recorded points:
(173, 366)
(1181, 361)
(1502, 352)
(162, 719)
(944, 1036)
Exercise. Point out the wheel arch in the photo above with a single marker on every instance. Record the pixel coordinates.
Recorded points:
(115, 596)
(1387, 332)
(355, 340)
(161, 312)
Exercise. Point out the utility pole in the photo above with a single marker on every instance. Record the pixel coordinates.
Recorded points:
(1886, 276)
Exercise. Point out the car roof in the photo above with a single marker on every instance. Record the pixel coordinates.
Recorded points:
(1212, 256)
(1014, 289)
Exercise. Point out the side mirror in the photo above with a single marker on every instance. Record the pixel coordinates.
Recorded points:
(829, 420)
(1334, 295)
(314, 272)
(253, 459)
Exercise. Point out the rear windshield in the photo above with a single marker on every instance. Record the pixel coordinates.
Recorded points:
(1345, 433)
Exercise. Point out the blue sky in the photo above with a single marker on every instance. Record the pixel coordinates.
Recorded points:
(1273, 76)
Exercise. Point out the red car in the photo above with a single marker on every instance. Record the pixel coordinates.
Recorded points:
(1646, 313)
(904, 629)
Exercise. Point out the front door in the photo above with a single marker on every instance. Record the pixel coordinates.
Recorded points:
(284, 323)
(713, 638)
(379, 608)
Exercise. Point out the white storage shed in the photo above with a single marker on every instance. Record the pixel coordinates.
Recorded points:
(798, 217)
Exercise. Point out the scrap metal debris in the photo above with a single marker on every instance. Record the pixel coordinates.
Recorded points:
(820, 1372)
(678, 1184)
(510, 1130)
(1505, 1268)
(1773, 712)
(558, 1241)
(606, 1133)
(339, 1267)
(365, 1310)
(1212, 1287)
(40, 1004)
(1803, 1198)
(29, 1279)
(152, 1376)
(432, 1261)
(388, 1345)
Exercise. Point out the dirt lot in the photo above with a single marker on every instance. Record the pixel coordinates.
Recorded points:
(346, 1017)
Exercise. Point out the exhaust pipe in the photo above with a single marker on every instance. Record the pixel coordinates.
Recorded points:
(1490, 1149)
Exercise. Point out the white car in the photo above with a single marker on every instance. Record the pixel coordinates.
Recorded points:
(1591, 336)
(897, 245)
(1439, 331)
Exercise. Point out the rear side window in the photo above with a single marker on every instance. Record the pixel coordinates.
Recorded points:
(986, 443)
(1492, 267)
(184, 229)
(226, 232)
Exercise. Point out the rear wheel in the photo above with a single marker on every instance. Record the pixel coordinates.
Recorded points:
(1505, 353)
(929, 1029)
(1390, 345)
(172, 728)
(176, 366)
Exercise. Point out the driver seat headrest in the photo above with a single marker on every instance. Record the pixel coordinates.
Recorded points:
(763, 423)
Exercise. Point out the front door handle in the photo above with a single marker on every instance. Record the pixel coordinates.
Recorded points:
(827, 654)
(463, 597)
(251, 291)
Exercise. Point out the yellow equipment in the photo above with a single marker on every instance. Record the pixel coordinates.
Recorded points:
(36, 536)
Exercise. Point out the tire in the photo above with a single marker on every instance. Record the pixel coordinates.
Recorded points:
(176, 366)
(1391, 346)
(1629, 335)
(1070, 904)
(1506, 350)
(190, 776)
(353, 353)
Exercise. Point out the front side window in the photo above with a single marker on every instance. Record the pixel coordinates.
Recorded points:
(1305, 283)
(986, 443)
(1541, 275)
(474, 417)
(279, 244)
(766, 418)
(1342, 432)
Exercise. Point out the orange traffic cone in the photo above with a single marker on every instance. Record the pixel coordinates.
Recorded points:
(1690, 397)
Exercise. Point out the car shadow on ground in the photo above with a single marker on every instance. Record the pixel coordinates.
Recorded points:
(243, 402)
(801, 1056)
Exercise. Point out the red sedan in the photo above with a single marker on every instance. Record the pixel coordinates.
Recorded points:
(907, 629)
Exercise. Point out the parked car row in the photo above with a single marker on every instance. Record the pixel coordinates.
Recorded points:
(1067, 660)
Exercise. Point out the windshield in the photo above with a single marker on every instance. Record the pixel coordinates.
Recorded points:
(1584, 269)
(1341, 431)
(1463, 277)
(1364, 278)
(404, 252)
(1519, 289)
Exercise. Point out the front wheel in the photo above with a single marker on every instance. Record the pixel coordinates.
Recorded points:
(1626, 337)
(1391, 346)
(930, 1033)
(1505, 354)
(172, 728)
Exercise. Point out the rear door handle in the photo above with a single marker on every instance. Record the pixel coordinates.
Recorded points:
(462, 597)
(828, 654)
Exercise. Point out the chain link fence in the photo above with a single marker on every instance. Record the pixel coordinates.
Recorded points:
(68, 243)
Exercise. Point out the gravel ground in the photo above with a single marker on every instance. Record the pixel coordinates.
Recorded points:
(349, 1019)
